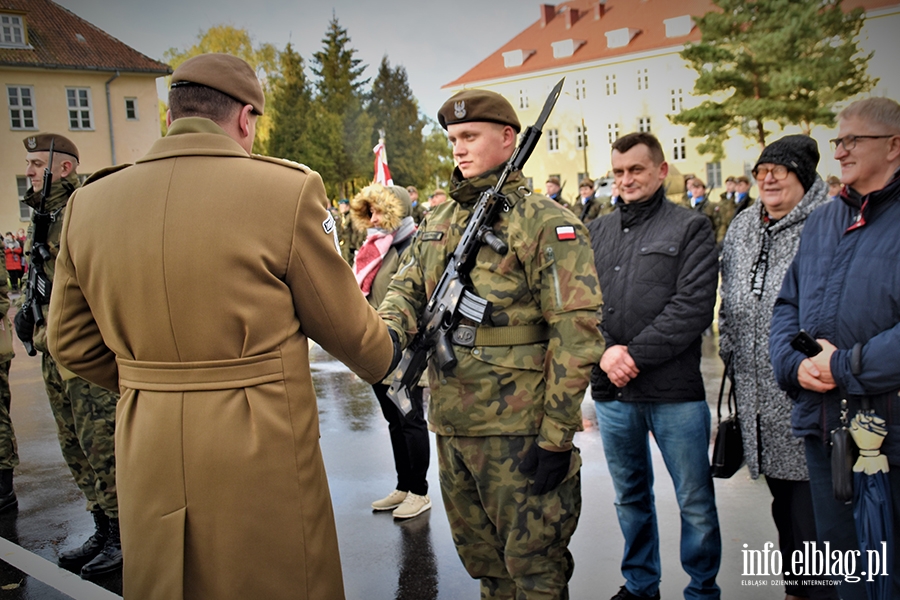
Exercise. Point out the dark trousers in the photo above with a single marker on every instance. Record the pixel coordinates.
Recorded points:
(792, 510)
(409, 440)
(834, 520)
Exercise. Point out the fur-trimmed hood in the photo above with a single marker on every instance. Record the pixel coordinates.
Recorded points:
(392, 201)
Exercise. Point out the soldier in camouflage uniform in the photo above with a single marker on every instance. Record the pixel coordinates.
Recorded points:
(9, 456)
(506, 416)
(85, 414)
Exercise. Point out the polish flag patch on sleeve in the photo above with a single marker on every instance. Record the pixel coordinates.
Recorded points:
(565, 232)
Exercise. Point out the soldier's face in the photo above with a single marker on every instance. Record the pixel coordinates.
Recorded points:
(637, 175)
(35, 163)
(742, 187)
(479, 147)
(586, 192)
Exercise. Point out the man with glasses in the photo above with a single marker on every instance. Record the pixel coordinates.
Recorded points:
(844, 289)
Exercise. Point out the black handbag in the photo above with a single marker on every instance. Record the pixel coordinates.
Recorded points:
(728, 451)
(843, 455)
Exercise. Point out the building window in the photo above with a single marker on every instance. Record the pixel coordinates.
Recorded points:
(580, 89)
(22, 187)
(523, 98)
(12, 30)
(80, 111)
(613, 132)
(21, 107)
(643, 79)
(713, 175)
(644, 124)
(553, 140)
(131, 112)
(610, 85)
(677, 100)
(678, 149)
(581, 140)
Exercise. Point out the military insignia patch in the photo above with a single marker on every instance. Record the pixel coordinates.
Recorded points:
(32, 143)
(432, 236)
(459, 109)
(565, 232)
(328, 224)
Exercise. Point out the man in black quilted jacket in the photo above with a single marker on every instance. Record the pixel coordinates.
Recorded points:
(658, 272)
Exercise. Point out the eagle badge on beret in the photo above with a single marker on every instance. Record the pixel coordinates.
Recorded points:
(32, 143)
(459, 109)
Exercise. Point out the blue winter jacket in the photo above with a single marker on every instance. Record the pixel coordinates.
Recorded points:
(844, 286)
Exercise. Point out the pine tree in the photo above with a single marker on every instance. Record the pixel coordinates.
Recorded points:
(394, 110)
(764, 62)
(340, 95)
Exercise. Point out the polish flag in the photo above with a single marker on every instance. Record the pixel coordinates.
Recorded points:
(382, 172)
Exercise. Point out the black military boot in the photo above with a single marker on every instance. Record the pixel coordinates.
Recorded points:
(8, 498)
(110, 558)
(73, 560)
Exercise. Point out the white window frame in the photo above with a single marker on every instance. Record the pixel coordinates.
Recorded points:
(553, 140)
(580, 89)
(22, 186)
(643, 78)
(581, 139)
(677, 100)
(611, 85)
(19, 111)
(78, 111)
(12, 31)
(523, 98)
(679, 149)
(644, 124)
(613, 131)
(713, 175)
(134, 108)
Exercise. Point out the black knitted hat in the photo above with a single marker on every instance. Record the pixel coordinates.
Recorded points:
(799, 153)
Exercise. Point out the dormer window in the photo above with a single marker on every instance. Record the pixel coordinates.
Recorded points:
(515, 58)
(565, 48)
(619, 38)
(679, 26)
(12, 31)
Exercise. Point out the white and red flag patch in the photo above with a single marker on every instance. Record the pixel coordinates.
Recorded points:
(565, 232)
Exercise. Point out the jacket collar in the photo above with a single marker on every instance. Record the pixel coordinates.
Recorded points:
(635, 213)
(467, 191)
(60, 190)
(815, 197)
(194, 136)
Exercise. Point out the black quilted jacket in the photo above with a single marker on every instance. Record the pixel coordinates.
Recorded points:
(658, 278)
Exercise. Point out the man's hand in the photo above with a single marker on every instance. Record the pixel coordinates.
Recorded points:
(618, 365)
(24, 324)
(814, 373)
(547, 467)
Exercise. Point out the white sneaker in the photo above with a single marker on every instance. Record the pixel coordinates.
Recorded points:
(392, 501)
(412, 506)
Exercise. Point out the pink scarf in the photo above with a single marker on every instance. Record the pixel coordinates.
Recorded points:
(369, 258)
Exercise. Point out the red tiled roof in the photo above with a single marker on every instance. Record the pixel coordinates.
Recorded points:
(592, 20)
(60, 39)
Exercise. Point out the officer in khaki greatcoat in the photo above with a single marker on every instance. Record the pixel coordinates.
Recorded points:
(85, 413)
(221, 480)
(505, 418)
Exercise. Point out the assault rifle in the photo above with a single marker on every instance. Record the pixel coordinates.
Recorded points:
(38, 287)
(453, 298)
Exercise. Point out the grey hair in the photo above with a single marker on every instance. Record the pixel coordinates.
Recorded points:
(881, 111)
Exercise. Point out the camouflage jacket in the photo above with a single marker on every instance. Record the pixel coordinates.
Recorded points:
(60, 192)
(546, 277)
(728, 209)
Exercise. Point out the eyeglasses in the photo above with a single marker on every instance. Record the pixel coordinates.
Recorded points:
(779, 172)
(849, 141)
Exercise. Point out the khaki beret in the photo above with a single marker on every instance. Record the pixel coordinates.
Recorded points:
(478, 105)
(553, 179)
(224, 73)
(586, 183)
(742, 179)
(41, 143)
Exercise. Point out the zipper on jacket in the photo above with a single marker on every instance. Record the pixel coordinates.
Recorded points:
(551, 261)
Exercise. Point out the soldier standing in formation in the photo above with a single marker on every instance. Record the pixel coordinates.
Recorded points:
(85, 413)
(223, 487)
(506, 417)
(587, 206)
(9, 456)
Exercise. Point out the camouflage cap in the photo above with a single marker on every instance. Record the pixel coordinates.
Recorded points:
(224, 73)
(478, 105)
(41, 143)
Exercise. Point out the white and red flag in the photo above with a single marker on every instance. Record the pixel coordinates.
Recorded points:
(382, 172)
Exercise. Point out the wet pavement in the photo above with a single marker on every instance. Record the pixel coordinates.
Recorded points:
(381, 558)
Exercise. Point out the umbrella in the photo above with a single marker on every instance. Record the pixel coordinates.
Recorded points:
(872, 502)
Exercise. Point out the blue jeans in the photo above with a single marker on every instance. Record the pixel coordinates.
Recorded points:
(681, 430)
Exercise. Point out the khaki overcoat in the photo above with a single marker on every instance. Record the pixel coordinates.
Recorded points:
(191, 281)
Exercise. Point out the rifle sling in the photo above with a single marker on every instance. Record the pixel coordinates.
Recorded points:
(514, 335)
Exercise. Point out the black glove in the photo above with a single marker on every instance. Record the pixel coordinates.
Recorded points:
(548, 468)
(24, 323)
(398, 352)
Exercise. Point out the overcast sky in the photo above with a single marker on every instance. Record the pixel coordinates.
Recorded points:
(436, 41)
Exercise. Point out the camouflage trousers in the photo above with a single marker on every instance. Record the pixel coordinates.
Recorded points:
(85, 423)
(9, 456)
(514, 542)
